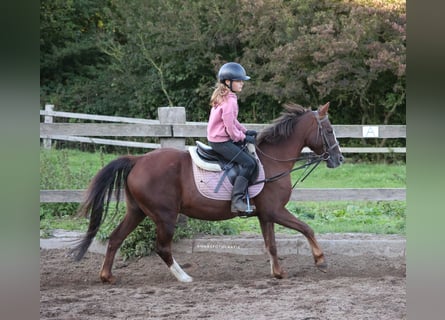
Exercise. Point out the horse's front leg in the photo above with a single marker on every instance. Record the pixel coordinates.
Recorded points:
(286, 219)
(267, 229)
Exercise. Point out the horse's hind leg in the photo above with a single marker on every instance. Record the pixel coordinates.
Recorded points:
(267, 229)
(132, 218)
(164, 238)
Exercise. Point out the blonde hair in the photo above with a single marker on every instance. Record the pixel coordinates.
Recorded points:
(218, 95)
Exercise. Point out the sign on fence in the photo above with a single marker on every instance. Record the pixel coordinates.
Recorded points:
(370, 131)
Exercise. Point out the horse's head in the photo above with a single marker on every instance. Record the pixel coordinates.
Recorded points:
(298, 127)
(323, 140)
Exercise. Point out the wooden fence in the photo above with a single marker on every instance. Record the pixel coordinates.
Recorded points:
(172, 130)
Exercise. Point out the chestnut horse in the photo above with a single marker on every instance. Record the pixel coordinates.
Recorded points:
(160, 185)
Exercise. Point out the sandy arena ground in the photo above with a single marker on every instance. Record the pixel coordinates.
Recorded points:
(225, 286)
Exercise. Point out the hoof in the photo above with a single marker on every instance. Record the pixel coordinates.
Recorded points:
(281, 275)
(323, 267)
(108, 280)
(186, 279)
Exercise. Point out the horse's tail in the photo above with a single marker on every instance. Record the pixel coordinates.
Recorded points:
(110, 178)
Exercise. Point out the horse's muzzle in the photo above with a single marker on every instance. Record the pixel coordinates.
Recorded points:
(333, 161)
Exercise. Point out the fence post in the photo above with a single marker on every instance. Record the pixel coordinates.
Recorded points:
(172, 115)
(48, 119)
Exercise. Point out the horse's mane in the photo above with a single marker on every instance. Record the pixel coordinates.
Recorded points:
(282, 127)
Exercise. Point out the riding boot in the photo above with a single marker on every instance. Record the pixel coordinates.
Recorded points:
(238, 192)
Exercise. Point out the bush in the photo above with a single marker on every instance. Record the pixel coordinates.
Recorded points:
(130, 57)
(141, 241)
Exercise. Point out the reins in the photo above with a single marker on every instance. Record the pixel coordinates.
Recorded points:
(309, 165)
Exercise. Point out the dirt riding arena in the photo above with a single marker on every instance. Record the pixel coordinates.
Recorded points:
(225, 286)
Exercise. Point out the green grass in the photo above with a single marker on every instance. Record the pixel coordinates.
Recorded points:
(352, 175)
(72, 169)
(383, 217)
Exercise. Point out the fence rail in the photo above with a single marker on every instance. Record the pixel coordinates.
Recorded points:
(134, 127)
(173, 131)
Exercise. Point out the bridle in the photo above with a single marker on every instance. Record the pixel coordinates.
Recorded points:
(311, 161)
(326, 145)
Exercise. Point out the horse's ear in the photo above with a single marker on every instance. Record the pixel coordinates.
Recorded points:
(323, 110)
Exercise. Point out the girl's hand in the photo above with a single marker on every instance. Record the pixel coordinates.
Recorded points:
(251, 133)
(249, 139)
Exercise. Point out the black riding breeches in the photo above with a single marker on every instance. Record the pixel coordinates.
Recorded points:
(236, 153)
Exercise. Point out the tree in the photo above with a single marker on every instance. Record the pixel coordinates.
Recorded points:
(317, 51)
(129, 58)
(69, 35)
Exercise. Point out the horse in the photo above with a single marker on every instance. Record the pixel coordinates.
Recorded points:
(159, 185)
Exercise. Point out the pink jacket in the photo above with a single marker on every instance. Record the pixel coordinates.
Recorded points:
(223, 121)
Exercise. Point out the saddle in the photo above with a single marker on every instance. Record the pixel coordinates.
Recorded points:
(207, 159)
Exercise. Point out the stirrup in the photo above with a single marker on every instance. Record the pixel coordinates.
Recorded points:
(250, 209)
(244, 214)
(250, 212)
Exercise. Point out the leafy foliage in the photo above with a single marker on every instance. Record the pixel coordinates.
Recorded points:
(129, 58)
(142, 241)
(70, 55)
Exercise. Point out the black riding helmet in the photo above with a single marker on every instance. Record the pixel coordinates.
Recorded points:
(232, 71)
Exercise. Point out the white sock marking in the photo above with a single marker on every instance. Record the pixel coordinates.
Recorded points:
(271, 262)
(179, 273)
